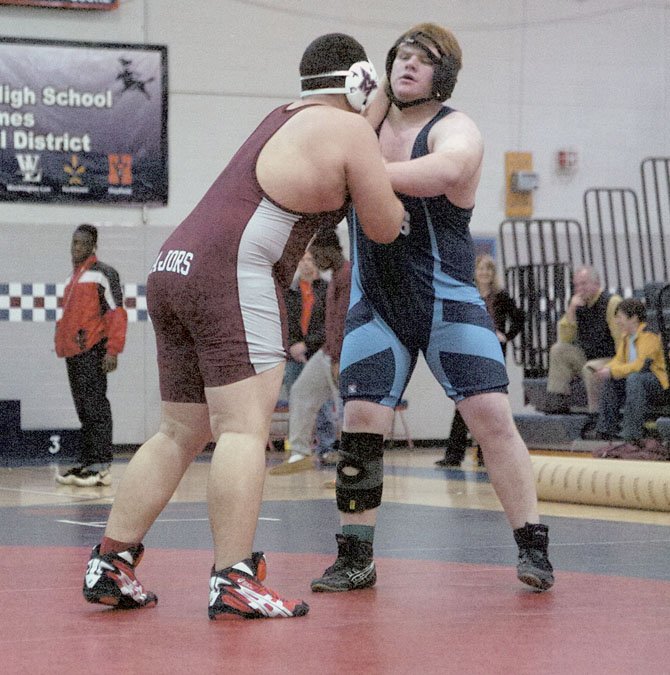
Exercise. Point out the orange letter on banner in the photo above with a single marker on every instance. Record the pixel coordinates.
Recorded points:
(120, 169)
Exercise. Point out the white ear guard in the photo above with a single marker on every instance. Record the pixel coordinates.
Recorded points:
(360, 84)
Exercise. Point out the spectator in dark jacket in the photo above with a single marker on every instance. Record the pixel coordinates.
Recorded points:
(90, 334)
(317, 383)
(588, 337)
(508, 321)
(306, 312)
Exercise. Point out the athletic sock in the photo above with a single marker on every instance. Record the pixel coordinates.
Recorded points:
(363, 532)
(108, 545)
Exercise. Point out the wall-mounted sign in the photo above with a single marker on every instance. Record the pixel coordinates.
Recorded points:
(65, 4)
(83, 122)
(518, 203)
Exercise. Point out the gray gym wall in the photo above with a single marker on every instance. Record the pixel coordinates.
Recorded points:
(593, 75)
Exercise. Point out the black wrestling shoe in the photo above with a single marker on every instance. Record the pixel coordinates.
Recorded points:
(353, 569)
(534, 568)
(68, 477)
(448, 463)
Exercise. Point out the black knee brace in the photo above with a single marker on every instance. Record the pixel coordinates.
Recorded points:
(363, 490)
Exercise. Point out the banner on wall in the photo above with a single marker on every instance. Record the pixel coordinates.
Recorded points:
(83, 122)
(65, 4)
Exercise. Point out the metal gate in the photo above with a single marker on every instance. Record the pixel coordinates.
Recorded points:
(538, 257)
(655, 175)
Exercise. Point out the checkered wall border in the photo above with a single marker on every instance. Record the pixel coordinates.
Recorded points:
(43, 302)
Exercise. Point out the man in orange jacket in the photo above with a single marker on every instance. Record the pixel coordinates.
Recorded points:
(90, 335)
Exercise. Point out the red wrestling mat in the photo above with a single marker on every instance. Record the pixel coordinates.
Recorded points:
(423, 616)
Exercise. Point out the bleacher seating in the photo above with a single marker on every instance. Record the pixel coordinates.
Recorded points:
(562, 430)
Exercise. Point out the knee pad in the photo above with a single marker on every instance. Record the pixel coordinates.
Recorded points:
(362, 453)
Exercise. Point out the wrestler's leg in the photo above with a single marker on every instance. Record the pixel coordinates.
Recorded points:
(508, 463)
(240, 416)
(467, 360)
(375, 368)
(145, 488)
(361, 418)
(156, 468)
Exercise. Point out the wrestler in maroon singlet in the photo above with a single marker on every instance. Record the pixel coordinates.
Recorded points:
(215, 292)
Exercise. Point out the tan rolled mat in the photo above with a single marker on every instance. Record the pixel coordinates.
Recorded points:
(605, 482)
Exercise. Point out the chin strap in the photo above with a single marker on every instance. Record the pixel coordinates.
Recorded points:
(405, 104)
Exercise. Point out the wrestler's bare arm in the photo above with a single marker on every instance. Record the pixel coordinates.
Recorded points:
(454, 162)
(378, 209)
(378, 107)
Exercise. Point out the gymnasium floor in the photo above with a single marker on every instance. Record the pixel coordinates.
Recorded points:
(447, 599)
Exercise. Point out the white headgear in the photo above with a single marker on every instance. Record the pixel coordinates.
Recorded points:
(360, 84)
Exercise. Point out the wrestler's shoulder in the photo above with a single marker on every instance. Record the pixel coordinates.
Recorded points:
(457, 119)
(343, 119)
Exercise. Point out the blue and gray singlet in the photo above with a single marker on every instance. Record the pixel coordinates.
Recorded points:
(414, 295)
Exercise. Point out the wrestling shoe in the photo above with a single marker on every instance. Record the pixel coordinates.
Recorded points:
(448, 463)
(68, 477)
(110, 579)
(237, 592)
(353, 569)
(82, 477)
(86, 478)
(534, 568)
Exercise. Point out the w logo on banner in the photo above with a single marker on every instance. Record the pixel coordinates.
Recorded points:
(29, 166)
(120, 169)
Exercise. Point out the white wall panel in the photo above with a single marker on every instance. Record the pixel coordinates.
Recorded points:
(537, 76)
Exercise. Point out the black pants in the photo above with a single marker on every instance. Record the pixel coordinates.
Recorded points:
(88, 384)
(458, 439)
(457, 443)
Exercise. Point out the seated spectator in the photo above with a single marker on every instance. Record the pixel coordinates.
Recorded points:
(587, 340)
(317, 383)
(508, 321)
(635, 379)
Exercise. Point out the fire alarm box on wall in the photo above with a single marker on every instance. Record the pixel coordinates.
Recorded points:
(525, 181)
(567, 160)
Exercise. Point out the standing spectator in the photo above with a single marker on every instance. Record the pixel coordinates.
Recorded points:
(306, 310)
(317, 384)
(635, 379)
(587, 340)
(90, 335)
(508, 321)
(306, 313)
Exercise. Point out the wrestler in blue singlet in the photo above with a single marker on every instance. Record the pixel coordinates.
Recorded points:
(418, 295)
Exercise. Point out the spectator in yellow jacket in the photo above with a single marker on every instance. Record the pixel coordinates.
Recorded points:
(635, 379)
